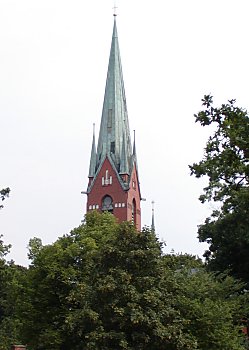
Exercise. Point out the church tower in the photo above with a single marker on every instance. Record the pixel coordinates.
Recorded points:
(113, 174)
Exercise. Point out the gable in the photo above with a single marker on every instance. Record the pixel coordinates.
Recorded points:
(107, 177)
(134, 181)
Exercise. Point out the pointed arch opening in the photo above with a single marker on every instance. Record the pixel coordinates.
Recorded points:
(107, 203)
(133, 211)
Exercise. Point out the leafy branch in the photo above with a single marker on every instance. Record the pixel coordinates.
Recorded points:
(4, 193)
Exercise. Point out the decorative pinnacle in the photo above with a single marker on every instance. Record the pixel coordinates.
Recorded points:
(153, 219)
(152, 203)
(134, 143)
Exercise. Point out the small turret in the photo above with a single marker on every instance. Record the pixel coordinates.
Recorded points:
(92, 167)
(124, 162)
(153, 217)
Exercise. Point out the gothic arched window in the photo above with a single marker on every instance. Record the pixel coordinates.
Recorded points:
(107, 204)
(133, 211)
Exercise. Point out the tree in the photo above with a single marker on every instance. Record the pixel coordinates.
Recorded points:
(211, 308)
(226, 164)
(11, 277)
(107, 286)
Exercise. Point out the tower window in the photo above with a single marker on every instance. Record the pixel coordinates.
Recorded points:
(133, 212)
(109, 121)
(112, 147)
(107, 180)
(107, 204)
(107, 177)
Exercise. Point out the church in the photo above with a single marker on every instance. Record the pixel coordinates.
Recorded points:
(113, 183)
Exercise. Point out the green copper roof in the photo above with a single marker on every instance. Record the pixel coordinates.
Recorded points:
(114, 136)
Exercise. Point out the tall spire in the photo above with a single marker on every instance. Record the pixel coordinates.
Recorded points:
(113, 174)
(92, 167)
(114, 128)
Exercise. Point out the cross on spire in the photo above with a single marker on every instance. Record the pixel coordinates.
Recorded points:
(115, 9)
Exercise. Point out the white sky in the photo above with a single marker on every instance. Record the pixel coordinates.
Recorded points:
(53, 65)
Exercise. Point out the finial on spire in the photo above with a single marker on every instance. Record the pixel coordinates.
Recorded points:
(115, 9)
(93, 129)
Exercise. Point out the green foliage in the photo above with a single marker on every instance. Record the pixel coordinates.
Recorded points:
(4, 193)
(226, 164)
(11, 292)
(107, 286)
(58, 272)
(4, 249)
(228, 237)
(35, 245)
(226, 159)
(209, 307)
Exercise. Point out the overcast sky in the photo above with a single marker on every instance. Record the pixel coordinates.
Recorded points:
(53, 65)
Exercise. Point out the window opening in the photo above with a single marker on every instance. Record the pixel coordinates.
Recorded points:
(133, 212)
(109, 121)
(107, 204)
(113, 147)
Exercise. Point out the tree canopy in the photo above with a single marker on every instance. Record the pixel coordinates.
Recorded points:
(10, 298)
(226, 164)
(107, 286)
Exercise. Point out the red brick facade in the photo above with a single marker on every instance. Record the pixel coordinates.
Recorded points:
(125, 203)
